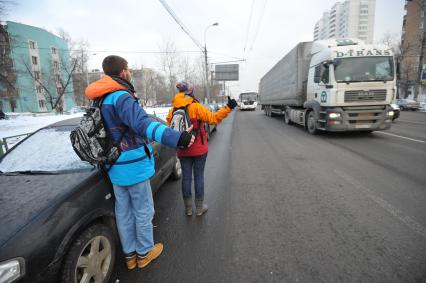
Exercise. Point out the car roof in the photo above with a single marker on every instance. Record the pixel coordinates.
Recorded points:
(76, 121)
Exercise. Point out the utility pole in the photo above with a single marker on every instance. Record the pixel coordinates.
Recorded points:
(206, 64)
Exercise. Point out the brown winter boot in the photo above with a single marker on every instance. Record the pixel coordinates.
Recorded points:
(130, 260)
(188, 206)
(144, 260)
(200, 207)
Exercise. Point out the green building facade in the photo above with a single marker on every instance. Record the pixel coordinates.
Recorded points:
(41, 63)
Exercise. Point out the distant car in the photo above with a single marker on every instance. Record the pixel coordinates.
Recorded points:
(78, 109)
(422, 107)
(57, 212)
(408, 104)
(2, 115)
(396, 111)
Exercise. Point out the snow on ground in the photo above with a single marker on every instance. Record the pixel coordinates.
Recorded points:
(26, 123)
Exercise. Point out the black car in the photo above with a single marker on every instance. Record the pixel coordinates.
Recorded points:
(57, 212)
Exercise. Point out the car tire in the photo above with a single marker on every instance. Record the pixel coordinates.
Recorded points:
(177, 170)
(85, 257)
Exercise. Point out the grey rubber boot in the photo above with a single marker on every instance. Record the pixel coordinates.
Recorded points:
(188, 206)
(200, 207)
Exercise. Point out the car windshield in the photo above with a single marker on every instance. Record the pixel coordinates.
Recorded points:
(248, 96)
(48, 150)
(361, 69)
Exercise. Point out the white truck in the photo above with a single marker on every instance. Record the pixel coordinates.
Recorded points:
(332, 85)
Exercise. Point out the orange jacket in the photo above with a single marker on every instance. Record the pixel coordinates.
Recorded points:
(197, 112)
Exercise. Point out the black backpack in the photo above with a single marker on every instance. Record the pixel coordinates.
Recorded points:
(90, 140)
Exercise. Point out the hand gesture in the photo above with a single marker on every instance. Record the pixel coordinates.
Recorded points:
(231, 103)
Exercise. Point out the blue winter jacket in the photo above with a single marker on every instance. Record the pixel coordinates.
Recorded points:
(125, 119)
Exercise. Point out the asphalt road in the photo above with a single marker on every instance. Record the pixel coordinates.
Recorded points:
(286, 206)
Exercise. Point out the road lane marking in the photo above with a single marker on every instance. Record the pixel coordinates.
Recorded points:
(402, 137)
(401, 216)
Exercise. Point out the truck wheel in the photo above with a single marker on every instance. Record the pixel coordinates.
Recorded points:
(91, 256)
(287, 118)
(311, 124)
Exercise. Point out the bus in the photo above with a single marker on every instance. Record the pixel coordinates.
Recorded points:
(248, 100)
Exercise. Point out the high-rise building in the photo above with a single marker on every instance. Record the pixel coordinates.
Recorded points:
(413, 50)
(349, 19)
(37, 76)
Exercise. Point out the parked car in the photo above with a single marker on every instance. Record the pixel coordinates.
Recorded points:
(396, 111)
(77, 109)
(408, 104)
(57, 212)
(422, 107)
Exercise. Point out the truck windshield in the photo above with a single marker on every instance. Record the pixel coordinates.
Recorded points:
(252, 96)
(362, 69)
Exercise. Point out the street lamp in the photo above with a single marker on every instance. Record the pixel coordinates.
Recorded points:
(205, 61)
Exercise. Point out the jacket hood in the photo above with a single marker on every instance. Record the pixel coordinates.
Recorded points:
(182, 100)
(102, 87)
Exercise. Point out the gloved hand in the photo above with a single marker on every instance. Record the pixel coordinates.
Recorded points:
(232, 103)
(186, 138)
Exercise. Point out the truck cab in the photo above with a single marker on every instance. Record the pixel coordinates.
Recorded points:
(350, 86)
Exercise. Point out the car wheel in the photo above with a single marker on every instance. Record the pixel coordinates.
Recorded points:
(177, 170)
(91, 256)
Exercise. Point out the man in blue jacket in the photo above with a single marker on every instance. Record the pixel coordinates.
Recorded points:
(129, 125)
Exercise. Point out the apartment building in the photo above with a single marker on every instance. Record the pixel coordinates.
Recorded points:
(37, 77)
(348, 19)
(413, 51)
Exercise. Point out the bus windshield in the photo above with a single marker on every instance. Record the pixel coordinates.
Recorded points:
(248, 96)
(362, 69)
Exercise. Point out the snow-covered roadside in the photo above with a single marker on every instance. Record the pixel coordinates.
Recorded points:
(24, 124)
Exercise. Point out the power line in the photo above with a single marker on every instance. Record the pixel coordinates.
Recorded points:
(248, 26)
(258, 24)
(115, 51)
(180, 23)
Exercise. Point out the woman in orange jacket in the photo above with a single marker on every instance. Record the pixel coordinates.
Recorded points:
(194, 158)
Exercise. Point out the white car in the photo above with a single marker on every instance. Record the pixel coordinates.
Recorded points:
(422, 107)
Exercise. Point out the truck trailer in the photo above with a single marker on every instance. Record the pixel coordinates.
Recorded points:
(334, 85)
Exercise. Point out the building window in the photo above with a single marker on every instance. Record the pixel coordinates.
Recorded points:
(55, 65)
(54, 50)
(34, 60)
(421, 25)
(58, 78)
(32, 45)
(422, 14)
(59, 90)
(39, 89)
(36, 75)
(363, 28)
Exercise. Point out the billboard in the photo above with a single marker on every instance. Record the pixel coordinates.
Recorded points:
(228, 72)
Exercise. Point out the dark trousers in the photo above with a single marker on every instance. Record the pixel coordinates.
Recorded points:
(188, 165)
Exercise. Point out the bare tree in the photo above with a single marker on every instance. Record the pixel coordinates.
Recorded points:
(56, 82)
(169, 65)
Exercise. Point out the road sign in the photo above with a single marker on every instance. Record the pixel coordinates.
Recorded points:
(228, 72)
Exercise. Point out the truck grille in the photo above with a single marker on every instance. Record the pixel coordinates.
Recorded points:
(361, 95)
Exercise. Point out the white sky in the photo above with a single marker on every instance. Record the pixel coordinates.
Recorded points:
(135, 26)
